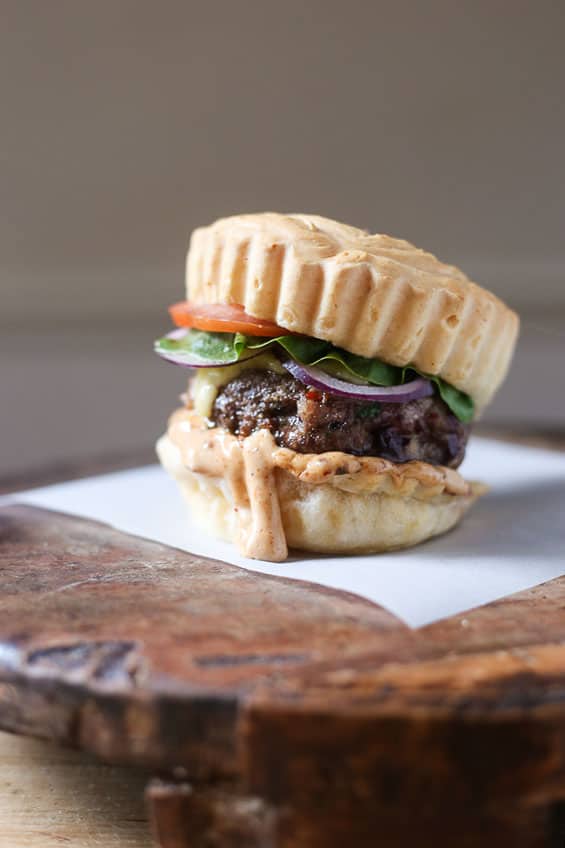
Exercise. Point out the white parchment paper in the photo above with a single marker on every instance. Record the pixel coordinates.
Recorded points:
(512, 539)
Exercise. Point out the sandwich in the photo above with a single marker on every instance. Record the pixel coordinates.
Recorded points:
(334, 377)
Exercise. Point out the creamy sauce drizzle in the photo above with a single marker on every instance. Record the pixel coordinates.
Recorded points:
(248, 467)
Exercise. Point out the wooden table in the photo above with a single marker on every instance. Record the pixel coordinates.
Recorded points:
(263, 712)
(51, 797)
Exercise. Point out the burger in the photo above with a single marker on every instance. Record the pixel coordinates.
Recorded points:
(334, 379)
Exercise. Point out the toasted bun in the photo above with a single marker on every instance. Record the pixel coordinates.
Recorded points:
(366, 511)
(374, 295)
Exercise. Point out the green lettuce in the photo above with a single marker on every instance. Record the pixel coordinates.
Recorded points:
(227, 347)
(214, 347)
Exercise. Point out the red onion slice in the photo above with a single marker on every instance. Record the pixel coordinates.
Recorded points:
(178, 334)
(191, 360)
(318, 379)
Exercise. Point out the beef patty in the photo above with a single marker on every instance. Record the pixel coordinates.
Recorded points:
(310, 421)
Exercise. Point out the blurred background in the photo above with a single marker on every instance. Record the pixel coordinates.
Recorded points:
(126, 123)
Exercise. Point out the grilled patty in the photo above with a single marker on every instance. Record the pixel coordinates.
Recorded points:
(310, 421)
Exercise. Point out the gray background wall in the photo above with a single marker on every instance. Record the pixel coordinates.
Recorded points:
(125, 123)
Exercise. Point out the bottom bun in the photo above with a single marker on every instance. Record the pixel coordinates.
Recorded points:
(320, 517)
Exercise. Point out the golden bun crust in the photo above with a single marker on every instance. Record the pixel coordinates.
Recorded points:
(365, 511)
(374, 295)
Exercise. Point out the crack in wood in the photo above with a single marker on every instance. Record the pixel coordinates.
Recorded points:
(226, 660)
(115, 661)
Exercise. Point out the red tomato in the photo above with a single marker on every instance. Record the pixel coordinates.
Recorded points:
(222, 318)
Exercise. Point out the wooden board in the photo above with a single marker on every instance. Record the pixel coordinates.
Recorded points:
(299, 716)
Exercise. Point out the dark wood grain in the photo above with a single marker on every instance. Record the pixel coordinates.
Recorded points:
(168, 641)
(281, 714)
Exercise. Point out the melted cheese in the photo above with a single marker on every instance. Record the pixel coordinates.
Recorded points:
(203, 387)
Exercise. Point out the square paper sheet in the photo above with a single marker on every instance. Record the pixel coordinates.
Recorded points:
(512, 539)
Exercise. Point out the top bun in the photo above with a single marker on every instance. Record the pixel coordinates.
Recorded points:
(374, 295)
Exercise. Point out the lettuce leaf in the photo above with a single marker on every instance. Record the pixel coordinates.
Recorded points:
(215, 347)
(227, 347)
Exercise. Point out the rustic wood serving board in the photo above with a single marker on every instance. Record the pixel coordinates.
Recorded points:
(277, 713)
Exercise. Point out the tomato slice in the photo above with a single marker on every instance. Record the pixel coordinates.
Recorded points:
(222, 318)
